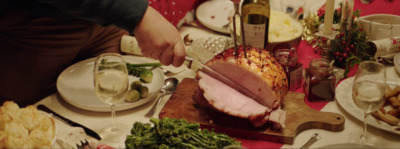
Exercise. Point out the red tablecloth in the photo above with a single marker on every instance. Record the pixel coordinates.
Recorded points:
(305, 53)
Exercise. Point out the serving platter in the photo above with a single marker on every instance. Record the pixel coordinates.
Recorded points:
(75, 85)
(344, 99)
(299, 116)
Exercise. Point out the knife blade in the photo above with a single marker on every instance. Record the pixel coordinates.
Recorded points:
(196, 65)
(70, 122)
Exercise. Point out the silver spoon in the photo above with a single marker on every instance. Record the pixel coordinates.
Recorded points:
(169, 86)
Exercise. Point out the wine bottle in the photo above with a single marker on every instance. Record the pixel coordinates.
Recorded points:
(255, 14)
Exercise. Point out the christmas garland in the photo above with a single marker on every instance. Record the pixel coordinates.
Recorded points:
(348, 48)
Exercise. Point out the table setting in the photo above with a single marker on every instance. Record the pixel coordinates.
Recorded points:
(108, 102)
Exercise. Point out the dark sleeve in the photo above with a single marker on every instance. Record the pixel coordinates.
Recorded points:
(125, 14)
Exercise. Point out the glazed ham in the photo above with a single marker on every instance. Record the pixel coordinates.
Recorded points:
(259, 73)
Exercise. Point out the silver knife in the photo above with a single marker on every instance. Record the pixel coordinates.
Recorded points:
(70, 122)
(196, 65)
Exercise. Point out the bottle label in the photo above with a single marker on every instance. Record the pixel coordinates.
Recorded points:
(254, 34)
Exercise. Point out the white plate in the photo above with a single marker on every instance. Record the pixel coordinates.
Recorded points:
(344, 98)
(75, 85)
(396, 61)
(214, 14)
(347, 145)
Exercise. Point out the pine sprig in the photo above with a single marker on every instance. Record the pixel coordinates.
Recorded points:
(350, 47)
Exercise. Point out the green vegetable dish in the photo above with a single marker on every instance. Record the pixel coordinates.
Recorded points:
(175, 133)
(140, 70)
(138, 90)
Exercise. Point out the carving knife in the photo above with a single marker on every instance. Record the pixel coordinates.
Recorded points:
(70, 122)
(196, 65)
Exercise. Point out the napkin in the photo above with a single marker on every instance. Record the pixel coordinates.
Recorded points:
(69, 137)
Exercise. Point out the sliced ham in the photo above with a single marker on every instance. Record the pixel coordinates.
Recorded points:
(259, 73)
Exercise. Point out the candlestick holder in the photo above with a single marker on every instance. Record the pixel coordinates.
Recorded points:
(325, 40)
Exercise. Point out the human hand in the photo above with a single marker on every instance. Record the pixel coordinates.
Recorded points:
(159, 39)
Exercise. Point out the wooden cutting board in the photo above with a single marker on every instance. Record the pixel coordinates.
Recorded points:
(299, 116)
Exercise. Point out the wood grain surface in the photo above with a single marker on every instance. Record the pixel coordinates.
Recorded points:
(299, 117)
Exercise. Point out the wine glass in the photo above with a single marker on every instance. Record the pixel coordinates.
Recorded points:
(111, 85)
(368, 94)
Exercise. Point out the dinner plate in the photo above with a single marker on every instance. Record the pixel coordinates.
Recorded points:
(347, 145)
(344, 98)
(214, 14)
(75, 85)
(396, 61)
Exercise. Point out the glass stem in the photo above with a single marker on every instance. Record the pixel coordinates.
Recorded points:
(364, 134)
(113, 115)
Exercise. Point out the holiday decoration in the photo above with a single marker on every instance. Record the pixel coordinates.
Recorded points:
(348, 48)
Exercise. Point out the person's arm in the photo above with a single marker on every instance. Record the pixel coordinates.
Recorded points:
(125, 14)
(156, 36)
(159, 39)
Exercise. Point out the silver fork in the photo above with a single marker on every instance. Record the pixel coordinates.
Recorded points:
(83, 145)
(79, 145)
(314, 138)
(71, 137)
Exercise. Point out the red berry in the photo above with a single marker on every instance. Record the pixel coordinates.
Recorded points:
(343, 42)
(336, 53)
(316, 50)
(341, 34)
(352, 46)
(347, 49)
(340, 59)
(344, 55)
(323, 39)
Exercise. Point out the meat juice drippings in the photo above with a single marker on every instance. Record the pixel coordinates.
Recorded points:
(319, 83)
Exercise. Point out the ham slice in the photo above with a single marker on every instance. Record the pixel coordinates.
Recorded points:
(259, 73)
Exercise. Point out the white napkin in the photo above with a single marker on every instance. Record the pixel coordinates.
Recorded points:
(69, 137)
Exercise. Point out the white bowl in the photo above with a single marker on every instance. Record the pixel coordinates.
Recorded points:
(380, 26)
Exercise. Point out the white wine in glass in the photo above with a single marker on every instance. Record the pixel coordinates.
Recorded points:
(368, 94)
(111, 85)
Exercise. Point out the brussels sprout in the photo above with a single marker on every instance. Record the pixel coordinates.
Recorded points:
(146, 75)
(132, 96)
(144, 92)
(136, 85)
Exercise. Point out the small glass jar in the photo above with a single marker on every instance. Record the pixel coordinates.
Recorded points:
(319, 83)
(287, 58)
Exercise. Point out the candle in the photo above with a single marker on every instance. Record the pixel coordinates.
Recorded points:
(329, 10)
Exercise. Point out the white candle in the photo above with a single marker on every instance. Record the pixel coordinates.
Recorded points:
(328, 20)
